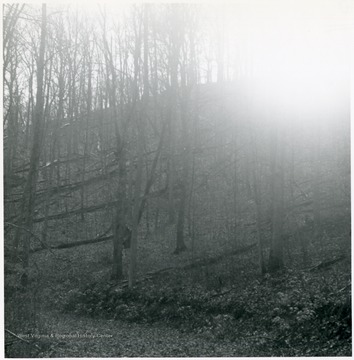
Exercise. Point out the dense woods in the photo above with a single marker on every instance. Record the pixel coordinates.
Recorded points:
(158, 168)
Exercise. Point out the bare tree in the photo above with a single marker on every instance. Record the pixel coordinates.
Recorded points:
(38, 128)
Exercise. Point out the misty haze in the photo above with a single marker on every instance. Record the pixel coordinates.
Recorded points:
(177, 179)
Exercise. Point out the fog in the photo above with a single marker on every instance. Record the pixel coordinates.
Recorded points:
(180, 168)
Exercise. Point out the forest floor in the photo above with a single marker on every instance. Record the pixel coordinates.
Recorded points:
(80, 336)
(215, 308)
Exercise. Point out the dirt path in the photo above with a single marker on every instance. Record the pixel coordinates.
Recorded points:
(76, 336)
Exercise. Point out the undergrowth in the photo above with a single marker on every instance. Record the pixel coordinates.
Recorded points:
(290, 314)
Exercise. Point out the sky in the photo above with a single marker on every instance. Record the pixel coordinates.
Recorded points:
(298, 52)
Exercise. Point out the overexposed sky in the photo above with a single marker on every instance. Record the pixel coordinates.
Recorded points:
(297, 49)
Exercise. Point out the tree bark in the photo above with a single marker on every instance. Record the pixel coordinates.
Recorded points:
(276, 261)
(30, 188)
(139, 129)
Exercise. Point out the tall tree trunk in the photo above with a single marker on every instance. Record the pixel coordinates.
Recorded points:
(119, 222)
(30, 188)
(276, 261)
(180, 243)
(258, 203)
(171, 174)
(139, 175)
(136, 210)
(173, 99)
(120, 232)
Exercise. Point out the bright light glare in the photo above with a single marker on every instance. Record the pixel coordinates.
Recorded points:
(295, 53)
(302, 82)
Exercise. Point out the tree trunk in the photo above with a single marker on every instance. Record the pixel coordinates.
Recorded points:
(180, 244)
(117, 264)
(257, 195)
(30, 188)
(277, 178)
(316, 187)
(139, 175)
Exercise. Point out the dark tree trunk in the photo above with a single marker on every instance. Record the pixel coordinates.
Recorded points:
(30, 188)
